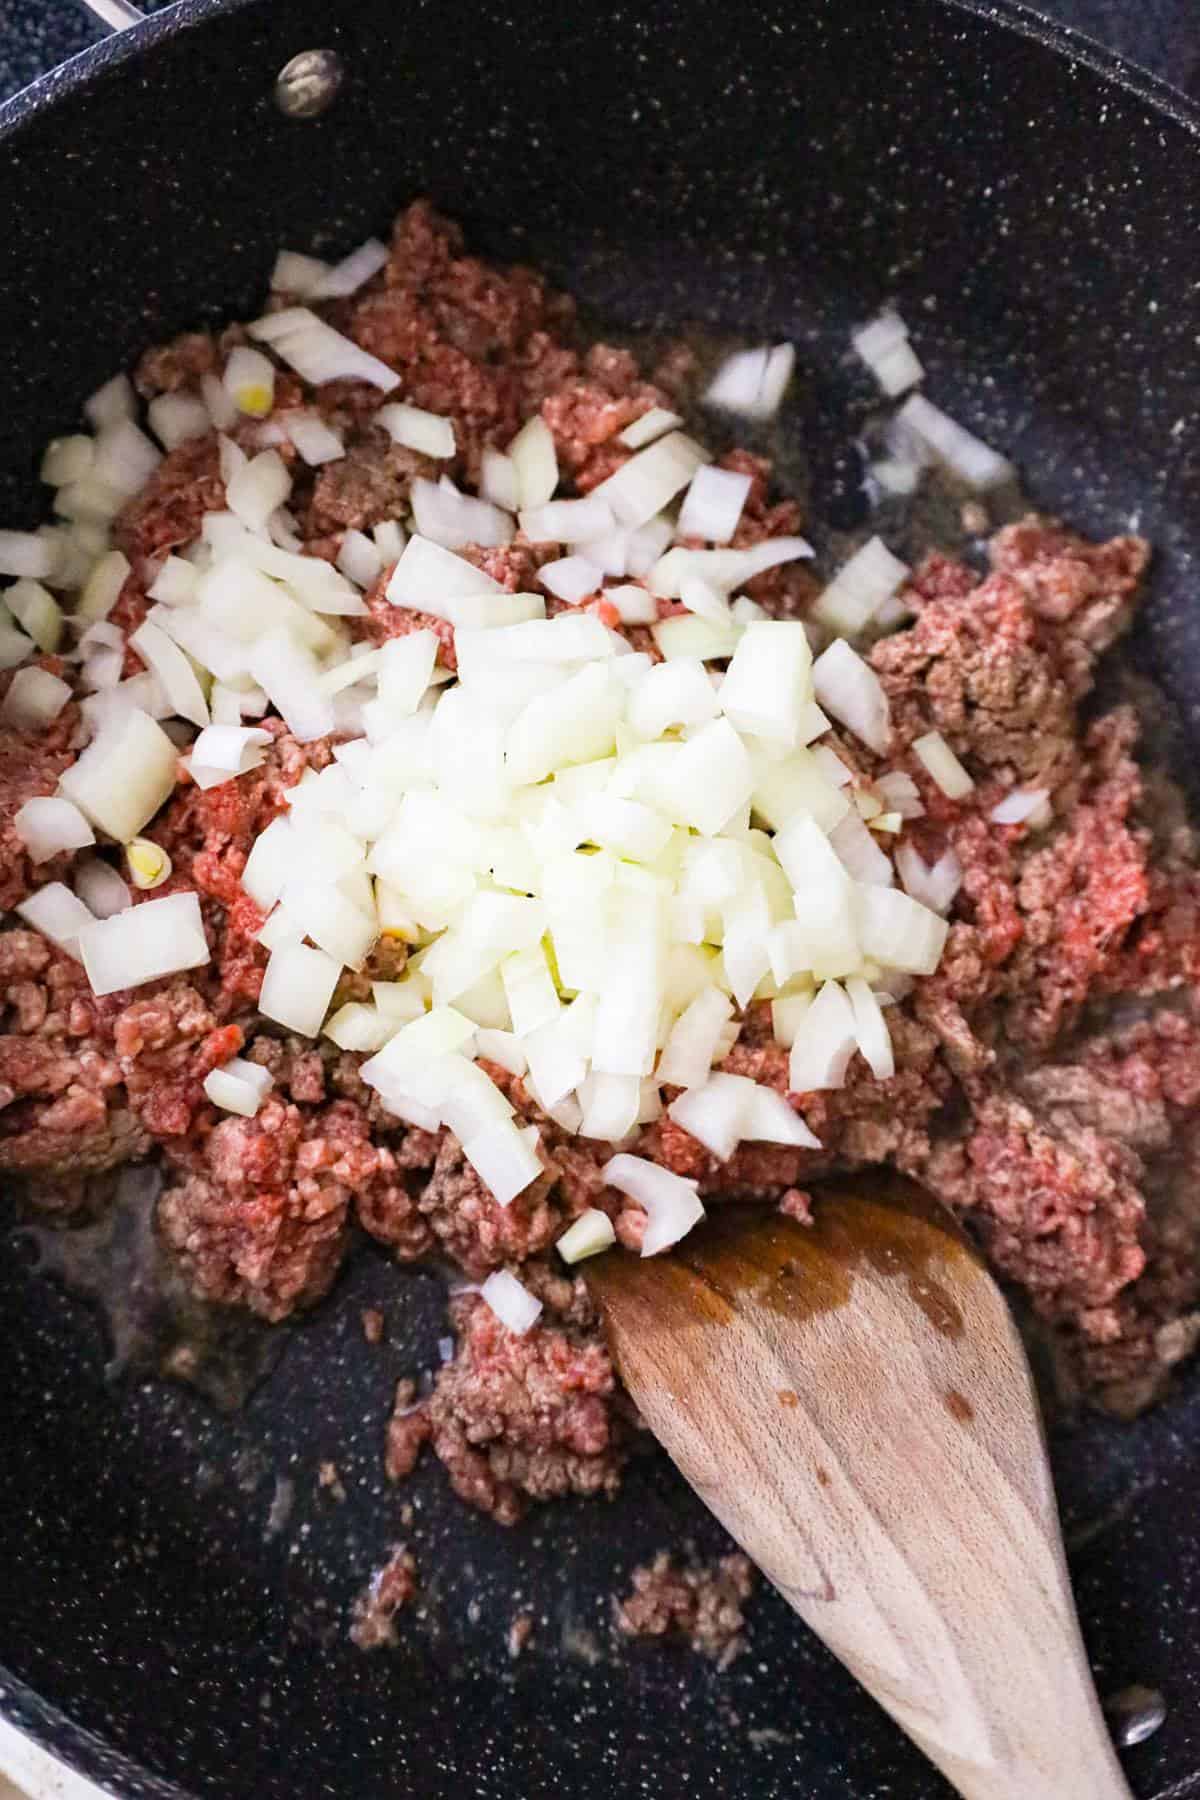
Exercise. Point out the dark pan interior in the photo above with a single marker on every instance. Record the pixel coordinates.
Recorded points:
(774, 169)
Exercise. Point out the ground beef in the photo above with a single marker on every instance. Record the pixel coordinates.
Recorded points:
(373, 1616)
(370, 483)
(168, 512)
(30, 765)
(179, 364)
(703, 1603)
(516, 1419)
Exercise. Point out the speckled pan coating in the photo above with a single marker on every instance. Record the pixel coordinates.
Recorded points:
(780, 168)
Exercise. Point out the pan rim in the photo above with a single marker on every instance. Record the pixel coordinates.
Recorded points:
(77, 1747)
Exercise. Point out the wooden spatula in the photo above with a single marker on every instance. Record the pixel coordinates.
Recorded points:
(852, 1401)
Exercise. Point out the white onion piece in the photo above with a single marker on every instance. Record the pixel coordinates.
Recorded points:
(860, 587)
(1019, 805)
(428, 575)
(571, 578)
(849, 689)
(333, 922)
(221, 410)
(238, 1086)
(691, 1046)
(858, 852)
(798, 783)
(670, 1201)
(825, 1040)
(426, 432)
(512, 1304)
(249, 380)
(899, 793)
(230, 747)
(706, 603)
(505, 1158)
(786, 1014)
(934, 887)
(124, 776)
(358, 1027)
(359, 559)
(768, 681)
(653, 424)
(36, 611)
(566, 639)
(27, 554)
(498, 480)
(102, 589)
(713, 504)
(347, 276)
(34, 699)
(317, 352)
(289, 676)
(823, 898)
(15, 647)
(405, 671)
(567, 521)
(897, 932)
(295, 273)
(610, 1106)
(113, 401)
(535, 461)
(50, 825)
(950, 443)
(67, 459)
(390, 539)
(871, 1029)
(722, 569)
(257, 488)
(575, 723)
(635, 605)
(650, 479)
(529, 990)
(297, 986)
(438, 1033)
(316, 441)
(58, 914)
(502, 1047)
(557, 1055)
(592, 1231)
(160, 937)
(175, 583)
(167, 661)
(125, 457)
(712, 778)
(940, 762)
(884, 347)
(751, 383)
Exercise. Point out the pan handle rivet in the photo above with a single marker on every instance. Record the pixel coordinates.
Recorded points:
(309, 84)
(1135, 1713)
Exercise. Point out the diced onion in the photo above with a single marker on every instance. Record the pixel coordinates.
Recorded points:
(635, 605)
(567, 521)
(58, 914)
(899, 793)
(653, 424)
(34, 699)
(102, 588)
(713, 504)
(1019, 805)
(427, 432)
(233, 747)
(883, 345)
(859, 853)
(592, 1233)
(347, 276)
(871, 1029)
(297, 274)
(238, 1086)
(174, 418)
(650, 479)
(256, 488)
(670, 1201)
(691, 1046)
(498, 480)
(167, 661)
(721, 569)
(825, 1040)
(897, 932)
(859, 589)
(767, 681)
(49, 826)
(512, 1304)
(359, 559)
(28, 554)
(535, 462)
(317, 352)
(297, 986)
(316, 441)
(571, 578)
(111, 402)
(249, 380)
(125, 457)
(849, 689)
(148, 863)
(952, 444)
(124, 776)
(427, 576)
(37, 611)
(934, 887)
(942, 765)
(161, 937)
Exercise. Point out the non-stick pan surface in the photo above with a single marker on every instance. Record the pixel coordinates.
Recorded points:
(175, 1584)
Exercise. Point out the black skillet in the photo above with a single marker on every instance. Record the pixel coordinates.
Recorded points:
(174, 1584)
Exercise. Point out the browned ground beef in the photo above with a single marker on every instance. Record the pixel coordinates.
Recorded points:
(1048, 1075)
(391, 1588)
(702, 1603)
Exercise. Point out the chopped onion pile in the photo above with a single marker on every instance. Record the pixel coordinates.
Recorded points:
(598, 861)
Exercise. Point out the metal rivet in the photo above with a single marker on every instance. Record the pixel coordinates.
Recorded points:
(309, 84)
(1135, 1713)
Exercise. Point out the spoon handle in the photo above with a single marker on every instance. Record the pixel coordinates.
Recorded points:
(881, 1460)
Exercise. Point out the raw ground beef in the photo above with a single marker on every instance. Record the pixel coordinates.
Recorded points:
(702, 1603)
(373, 1615)
(1048, 1075)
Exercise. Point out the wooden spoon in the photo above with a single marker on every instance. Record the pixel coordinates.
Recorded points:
(852, 1400)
